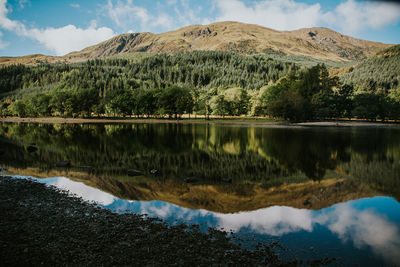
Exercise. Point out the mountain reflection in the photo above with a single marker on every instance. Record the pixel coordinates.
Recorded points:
(354, 221)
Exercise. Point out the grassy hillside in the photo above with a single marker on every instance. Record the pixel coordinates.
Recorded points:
(319, 43)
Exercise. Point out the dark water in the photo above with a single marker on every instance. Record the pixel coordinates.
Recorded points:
(318, 191)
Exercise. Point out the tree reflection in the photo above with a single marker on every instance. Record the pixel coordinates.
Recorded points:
(312, 151)
(209, 152)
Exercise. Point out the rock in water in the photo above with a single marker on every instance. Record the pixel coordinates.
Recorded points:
(31, 149)
(227, 180)
(85, 167)
(132, 172)
(3, 169)
(191, 180)
(63, 164)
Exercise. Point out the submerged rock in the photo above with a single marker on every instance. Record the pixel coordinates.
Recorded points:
(66, 163)
(307, 202)
(132, 172)
(31, 149)
(85, 167)
(191, 180)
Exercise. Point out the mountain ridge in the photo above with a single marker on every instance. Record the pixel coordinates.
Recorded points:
(317, 42)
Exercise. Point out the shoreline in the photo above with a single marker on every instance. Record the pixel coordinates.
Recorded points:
(141, 120)
(42, 225)
(212, 120)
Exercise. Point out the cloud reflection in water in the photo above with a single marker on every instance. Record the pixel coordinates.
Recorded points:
(274, 220)
(350, 221)
(364, 228)
(80, 189)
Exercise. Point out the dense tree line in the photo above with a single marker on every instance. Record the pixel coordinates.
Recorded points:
(219, 83)
(312, 94)
(197, 69)
(15, 77)
(123, 87)
(172, 101)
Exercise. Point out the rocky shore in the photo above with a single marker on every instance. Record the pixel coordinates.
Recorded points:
(41, 225)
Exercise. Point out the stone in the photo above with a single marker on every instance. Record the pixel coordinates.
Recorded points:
(31, 148)
(191, 180)
(132, 172)
(66, 163)
(227, 180)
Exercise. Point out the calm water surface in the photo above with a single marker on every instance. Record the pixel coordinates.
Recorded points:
(317, 190)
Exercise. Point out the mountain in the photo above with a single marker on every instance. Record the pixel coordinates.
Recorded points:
(29, 60)
(319, 43)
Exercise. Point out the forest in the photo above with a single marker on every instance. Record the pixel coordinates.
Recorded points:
(207, 83)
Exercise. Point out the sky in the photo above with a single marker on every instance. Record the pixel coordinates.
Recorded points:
(57, 27)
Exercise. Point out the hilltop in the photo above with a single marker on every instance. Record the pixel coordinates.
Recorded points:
(318, 43)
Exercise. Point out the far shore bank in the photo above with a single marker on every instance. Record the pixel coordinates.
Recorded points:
(236, 120)
(216, 120)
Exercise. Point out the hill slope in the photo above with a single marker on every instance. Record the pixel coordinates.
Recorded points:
(319, 43)
(380, 72)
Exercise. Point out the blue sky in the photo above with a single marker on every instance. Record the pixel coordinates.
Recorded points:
(59, 27)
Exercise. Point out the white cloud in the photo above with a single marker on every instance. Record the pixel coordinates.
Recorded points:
(126, 13)
(171, 2)
(70, 38)
(129, 16)
(349, 17)
(23, 2)
(352, 16)
(60, 40)
(163, 20)
(276, 14)
(75, 5)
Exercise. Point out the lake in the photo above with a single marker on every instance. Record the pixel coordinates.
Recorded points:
(318, 191)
